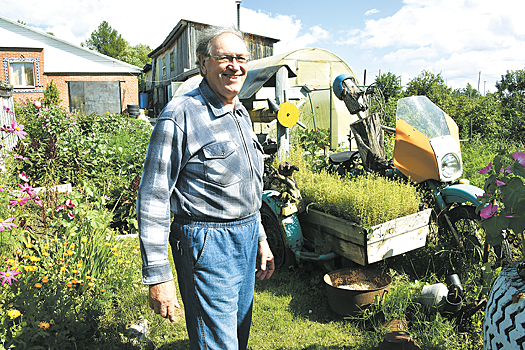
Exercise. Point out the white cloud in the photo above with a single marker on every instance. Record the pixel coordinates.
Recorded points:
(371, 12)
(455, 37)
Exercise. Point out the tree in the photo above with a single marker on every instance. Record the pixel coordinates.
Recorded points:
(51, 95)
(107, 41)
(136, 55)
(432, 86)
(390, 85)
(511, 91)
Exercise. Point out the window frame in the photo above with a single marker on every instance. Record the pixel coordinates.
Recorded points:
(8, 71)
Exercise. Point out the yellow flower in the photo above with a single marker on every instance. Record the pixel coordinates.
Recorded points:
(88, 277)
(14, 313)
(74, 271)
(45, 247)
(34, 259)
(29, 268)
(70, 252)
(38, 285)
(28, 246)
(128, 261)
(63, 268)
(72, 234)
(45, 254)
(79, 264)
(108, 244)
(10, 262)
(84, 239)
(102, 290)
(119, 261)
(72, 246)
(44, 325)
(116, 253)
(74, 281)
(69, 284)
(18, 252)
(91, 284)
(45, 280)
(114, 249)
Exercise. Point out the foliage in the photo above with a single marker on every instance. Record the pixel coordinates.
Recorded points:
(503, 204)
(432, 86)
(390, 85)
(107, 150)
(314, 142)
(511, 92)
(109, 42)
(51, 94)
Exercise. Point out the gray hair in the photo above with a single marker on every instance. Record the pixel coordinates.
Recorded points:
(204, 43)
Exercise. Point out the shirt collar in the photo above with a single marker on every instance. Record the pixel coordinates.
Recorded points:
(217, 107)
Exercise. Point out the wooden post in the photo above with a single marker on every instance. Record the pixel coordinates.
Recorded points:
(283, 135)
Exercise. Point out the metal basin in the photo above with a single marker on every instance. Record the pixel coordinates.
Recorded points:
(352, 290)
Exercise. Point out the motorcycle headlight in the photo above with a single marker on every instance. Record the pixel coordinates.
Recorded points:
(450, 165)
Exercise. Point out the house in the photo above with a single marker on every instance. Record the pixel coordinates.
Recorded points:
(89, 82)
(174, 61)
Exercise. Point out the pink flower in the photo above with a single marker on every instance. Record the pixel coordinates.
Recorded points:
(500, 183)
(519, 157)
(7, 224)
(19, 201)
(70, 215)
(489, 210)
(18, 130)
(486, 169)
(9, 275)
(27, 188)
(23, 177)
(59, 208)
(69, 203)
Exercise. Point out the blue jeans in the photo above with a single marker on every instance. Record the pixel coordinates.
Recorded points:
(215, 264)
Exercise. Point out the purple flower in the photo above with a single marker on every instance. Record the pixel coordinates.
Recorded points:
(489, 210)
(9, 275)
(7, 224)
(500, 183)
(519, 157)
(486, 169)
(38, 202)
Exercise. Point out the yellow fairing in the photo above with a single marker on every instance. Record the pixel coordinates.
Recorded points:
(413, 151)
(452, 127)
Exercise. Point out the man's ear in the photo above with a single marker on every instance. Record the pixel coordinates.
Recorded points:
(202, 61)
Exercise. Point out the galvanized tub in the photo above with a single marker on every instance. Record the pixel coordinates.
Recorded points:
(352, 290)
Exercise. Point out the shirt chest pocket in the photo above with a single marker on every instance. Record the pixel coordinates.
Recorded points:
(222, 164)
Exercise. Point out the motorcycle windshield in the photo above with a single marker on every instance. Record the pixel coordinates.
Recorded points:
(422, 115)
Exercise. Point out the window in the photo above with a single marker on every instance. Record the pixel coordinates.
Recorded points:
(22, 74)
(172, 61)
(164, 66)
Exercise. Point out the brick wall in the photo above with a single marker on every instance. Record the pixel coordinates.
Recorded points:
(128, 87)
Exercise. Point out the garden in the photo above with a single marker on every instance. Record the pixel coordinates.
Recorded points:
(71, 270)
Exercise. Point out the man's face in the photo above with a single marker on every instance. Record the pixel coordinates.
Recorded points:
(225, 78)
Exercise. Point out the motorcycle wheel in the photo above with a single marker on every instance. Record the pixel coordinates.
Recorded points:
(468, 226)
(283, 256)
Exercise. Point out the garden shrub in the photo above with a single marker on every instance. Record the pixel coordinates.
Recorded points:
(51, 94)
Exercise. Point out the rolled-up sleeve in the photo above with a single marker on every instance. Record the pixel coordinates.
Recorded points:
(161, 168)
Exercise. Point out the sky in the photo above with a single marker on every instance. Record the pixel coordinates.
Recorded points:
(466, 41)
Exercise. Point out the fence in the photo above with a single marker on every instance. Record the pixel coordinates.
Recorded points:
(7, 114)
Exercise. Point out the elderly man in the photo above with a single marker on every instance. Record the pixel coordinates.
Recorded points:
(205, 165)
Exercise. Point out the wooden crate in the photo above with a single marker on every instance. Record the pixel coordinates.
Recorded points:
(361, 245)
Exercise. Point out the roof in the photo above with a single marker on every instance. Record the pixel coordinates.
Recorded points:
(60, 56)
(179, 29)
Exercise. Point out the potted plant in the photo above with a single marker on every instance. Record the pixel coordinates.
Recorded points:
(503, 215)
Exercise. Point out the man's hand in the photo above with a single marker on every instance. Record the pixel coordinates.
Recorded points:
(163, 299)
(265, 263)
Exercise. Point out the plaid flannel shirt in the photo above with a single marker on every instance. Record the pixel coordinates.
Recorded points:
(204, 163)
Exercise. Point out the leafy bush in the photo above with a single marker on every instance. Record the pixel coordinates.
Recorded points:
(107, 150)
(51, 95)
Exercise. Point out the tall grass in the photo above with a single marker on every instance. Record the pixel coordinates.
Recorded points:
(367, 200)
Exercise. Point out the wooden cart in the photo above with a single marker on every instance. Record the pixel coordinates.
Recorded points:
(365, 245)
